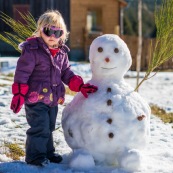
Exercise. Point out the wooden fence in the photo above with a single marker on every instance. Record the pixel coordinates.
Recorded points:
(132, 41)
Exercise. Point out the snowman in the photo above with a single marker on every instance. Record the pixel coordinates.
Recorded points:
(111, 126)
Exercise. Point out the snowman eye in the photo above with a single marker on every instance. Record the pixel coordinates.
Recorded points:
(100, 49)
(116, 50)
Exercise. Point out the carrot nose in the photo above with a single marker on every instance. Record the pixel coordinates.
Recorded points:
(107, 59)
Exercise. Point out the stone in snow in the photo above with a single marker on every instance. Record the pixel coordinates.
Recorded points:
(112, 124)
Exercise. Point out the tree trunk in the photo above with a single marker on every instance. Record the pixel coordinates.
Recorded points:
(138, 62)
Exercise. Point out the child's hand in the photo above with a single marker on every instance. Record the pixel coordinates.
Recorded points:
(76, 84)
(19, 91)
(17, 103)
(87, 88)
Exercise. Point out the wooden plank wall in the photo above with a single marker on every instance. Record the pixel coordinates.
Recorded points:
(109, 16)
(131, 42)
(37, 7)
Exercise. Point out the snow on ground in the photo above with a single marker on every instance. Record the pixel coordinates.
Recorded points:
(158, 156)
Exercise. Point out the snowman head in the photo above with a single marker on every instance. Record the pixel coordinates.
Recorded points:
(109, 57)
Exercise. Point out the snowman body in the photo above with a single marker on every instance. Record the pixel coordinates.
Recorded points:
(112, 124)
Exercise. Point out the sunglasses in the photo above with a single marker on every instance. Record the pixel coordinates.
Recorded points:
(57, 32)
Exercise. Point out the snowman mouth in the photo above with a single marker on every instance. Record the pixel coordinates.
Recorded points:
(108, 68)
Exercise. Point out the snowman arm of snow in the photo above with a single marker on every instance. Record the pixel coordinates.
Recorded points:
(76, 84)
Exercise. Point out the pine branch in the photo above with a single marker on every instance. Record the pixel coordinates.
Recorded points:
(20, 31)
(163, 48)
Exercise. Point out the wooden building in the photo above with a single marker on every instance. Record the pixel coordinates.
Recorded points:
(36, 8)
(89, 19)
(85, 19)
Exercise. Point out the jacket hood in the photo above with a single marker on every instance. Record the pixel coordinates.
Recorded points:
(22, 45)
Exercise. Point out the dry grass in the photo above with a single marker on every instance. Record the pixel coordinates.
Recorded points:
(10, 75)
(14, 151)
(3, 85)
(162, 114)
(69, 92)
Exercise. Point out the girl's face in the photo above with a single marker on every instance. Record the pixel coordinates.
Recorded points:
(51, 36)
(51, 41)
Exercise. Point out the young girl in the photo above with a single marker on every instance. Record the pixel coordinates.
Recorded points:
(41, 70)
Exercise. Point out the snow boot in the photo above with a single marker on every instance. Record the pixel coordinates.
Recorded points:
(56, 159)
(44, 162)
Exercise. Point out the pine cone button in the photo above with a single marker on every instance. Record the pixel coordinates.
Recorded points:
(140, 118)
(109, 102)
(111, 135)
(109, 121)
(109, 90)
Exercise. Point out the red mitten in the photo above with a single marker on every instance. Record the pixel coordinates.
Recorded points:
(88, 88)
(76, 84)
(19, 91)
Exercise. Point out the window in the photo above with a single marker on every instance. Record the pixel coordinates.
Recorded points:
(94, 20)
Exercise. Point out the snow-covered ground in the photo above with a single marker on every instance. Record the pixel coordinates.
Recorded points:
(158, 156)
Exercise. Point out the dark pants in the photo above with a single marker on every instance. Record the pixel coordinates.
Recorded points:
(39, 142)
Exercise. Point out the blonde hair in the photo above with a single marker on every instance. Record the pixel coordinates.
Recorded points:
(51, 18)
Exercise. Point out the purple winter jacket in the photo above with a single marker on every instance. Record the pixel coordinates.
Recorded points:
(43, 73)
